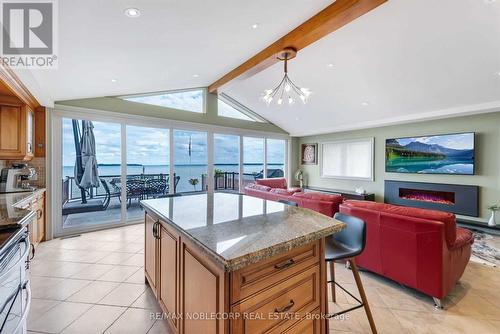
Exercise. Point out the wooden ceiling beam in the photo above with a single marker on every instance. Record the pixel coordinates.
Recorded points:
(330, 19)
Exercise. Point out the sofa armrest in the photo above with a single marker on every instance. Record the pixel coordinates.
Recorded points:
(464, 238)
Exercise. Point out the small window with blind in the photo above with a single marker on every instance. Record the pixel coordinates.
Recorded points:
(348, 159)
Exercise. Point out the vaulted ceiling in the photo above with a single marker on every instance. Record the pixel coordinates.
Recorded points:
(406, 60)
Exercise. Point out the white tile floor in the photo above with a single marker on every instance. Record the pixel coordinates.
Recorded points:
(95, 284)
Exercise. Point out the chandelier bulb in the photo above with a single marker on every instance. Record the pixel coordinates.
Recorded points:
(280, 100)
(290, 100)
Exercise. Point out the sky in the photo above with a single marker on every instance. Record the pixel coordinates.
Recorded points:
(149, 146)
(459, 141)
(186, 100)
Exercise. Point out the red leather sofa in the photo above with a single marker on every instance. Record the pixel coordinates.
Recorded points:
(422, 249)
(276, 189)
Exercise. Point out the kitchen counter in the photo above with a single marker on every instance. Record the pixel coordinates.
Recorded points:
(251, 261)
(14, 213)
(238, 230)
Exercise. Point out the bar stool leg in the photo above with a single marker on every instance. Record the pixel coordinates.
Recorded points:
(332, 277)
(363, 295)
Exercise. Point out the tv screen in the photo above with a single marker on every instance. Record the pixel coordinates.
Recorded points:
(440, 154)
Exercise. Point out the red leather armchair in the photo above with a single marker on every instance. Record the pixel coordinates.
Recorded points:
(276, 189)
(422, 249)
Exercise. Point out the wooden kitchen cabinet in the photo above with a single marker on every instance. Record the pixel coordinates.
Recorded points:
(37, 227)
(169, 277)
(16, 131)
(40, 132)
(189, 286)
(150, 252)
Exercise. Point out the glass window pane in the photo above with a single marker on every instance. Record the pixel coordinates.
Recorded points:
(226, 162)
(275, 158)
(190, 160)
(97, 210)
(225, 110)
(253, 159)
(147, 167)
(191, 100)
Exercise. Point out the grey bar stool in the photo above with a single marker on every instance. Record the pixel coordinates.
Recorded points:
(346, 245)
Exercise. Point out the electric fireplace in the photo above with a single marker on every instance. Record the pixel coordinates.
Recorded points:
(454, 198)
(442, 197)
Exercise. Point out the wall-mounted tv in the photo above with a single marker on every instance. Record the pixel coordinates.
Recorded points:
(439, 154)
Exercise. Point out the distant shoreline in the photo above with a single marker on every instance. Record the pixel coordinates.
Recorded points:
(222, 164)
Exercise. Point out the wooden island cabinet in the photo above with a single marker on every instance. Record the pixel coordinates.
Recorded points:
(257, 267)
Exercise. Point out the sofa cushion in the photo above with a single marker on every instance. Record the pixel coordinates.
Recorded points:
(319, 196)
(258, 187)
(279, 182)
(286, 192)
(448, 219)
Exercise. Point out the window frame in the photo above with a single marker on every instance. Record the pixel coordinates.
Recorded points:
(240, 108)
(174, 91)
(370, 140)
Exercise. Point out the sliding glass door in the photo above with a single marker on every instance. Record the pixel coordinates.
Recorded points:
(190, 161)
(104, 165)
(148, 167)
(226, 162)
(91, 161)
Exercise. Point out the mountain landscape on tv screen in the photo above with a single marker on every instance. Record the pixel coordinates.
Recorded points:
(446, 154)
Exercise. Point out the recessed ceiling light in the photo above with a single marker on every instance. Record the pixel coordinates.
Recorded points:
(330, 65)
(196, 75)
(132, 12)
(255, 26)
(365, 104)
(113, 80)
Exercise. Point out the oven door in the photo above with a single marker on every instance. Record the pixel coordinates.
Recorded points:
(15, 294)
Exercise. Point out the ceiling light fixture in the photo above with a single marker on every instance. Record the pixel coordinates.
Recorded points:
(286, 89)
(196, 75)
(330, 65)
(132, 12)
(365, 104)
(113, 80)
(255, 26)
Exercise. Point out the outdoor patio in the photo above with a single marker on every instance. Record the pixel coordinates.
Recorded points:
(111, 215)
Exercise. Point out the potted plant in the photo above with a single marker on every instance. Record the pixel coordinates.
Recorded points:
(493, 208)
(193, 182)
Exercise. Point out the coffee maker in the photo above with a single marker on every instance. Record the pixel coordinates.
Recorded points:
(17, 178)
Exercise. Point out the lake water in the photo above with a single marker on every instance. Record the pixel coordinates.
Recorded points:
(431, 166)
(185, 172)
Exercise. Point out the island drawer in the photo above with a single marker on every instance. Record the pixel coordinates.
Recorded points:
(252, 279)
(308, 325)
(280, 305)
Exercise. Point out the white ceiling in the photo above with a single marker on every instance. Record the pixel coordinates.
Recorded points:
(410, 59)
(163, 48)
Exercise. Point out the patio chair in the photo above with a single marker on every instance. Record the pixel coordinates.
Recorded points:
(155, 187)
(135, 189)
(92, 205)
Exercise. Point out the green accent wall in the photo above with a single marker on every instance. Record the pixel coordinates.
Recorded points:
(118, 105)
(487, 156)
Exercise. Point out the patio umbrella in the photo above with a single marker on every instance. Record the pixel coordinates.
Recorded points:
(90, 176)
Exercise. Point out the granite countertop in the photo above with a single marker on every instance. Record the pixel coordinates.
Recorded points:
(238, 230)
(14, 212)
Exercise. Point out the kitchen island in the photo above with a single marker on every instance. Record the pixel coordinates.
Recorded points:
(229, 263)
